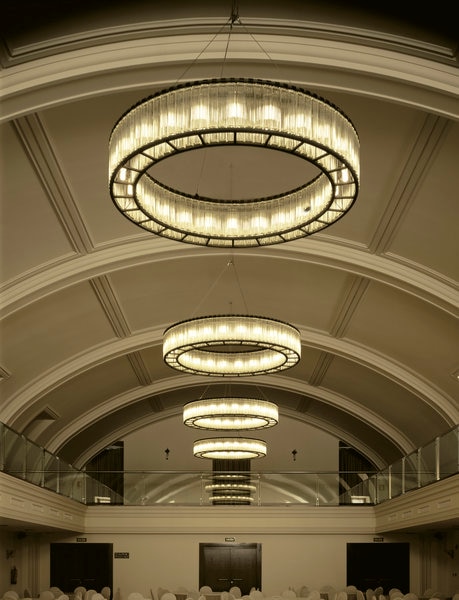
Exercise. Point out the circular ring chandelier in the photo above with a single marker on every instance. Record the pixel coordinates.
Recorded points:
(229, 448)
(223, 476)
(231, 345)
(230, 414)
(231, 499)
(229, 487)
(234, 112)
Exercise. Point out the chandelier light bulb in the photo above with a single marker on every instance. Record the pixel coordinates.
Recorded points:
(234, 112)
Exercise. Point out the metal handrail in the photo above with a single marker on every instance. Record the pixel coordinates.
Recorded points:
(22, 458)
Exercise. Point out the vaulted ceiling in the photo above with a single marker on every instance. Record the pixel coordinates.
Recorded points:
(87, 295)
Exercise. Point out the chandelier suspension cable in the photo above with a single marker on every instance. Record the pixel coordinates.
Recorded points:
(229, 263)
(198, 56)
(233, 19)
(268, 56)
(235, 12)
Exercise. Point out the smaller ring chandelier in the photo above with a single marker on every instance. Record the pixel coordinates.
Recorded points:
(230, 414)
(231, 345)
(229, 448)
(233, 112)
(226, 499)
(230, 487)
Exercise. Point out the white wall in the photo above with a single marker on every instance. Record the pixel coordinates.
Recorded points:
(171, 561)
(8, 542)
(316, 450)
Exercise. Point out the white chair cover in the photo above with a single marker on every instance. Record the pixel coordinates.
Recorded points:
(135, 596)
(370, 594)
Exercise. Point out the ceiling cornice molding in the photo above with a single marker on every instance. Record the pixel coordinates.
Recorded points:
(135, 63)
(412, 279)
(209, 26)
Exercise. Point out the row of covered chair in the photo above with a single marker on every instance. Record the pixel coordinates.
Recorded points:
(55, 593)
(325, 592)
(81, 593)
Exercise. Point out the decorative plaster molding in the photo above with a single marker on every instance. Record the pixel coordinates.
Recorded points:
(286, 519)
(433, 505)
(32, 507)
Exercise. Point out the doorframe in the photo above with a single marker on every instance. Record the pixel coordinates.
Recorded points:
(255, 545)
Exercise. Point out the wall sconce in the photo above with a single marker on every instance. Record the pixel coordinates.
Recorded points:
(166, 452)
(294, 453)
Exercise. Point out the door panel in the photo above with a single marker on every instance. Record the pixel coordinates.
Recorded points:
(90, 565)
(387, 564)
(244, 566)
(222, 566)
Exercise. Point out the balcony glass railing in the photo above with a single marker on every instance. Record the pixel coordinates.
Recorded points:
(24, 459)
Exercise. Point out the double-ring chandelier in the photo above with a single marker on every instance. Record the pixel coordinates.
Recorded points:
(238, 113)
(229, 448)
(230, 414)
(231, 345)
(231, 499)
(230, 487)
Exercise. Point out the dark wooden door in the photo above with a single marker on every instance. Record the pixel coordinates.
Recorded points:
(222, 566)
(90, 565)
(370, 565)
